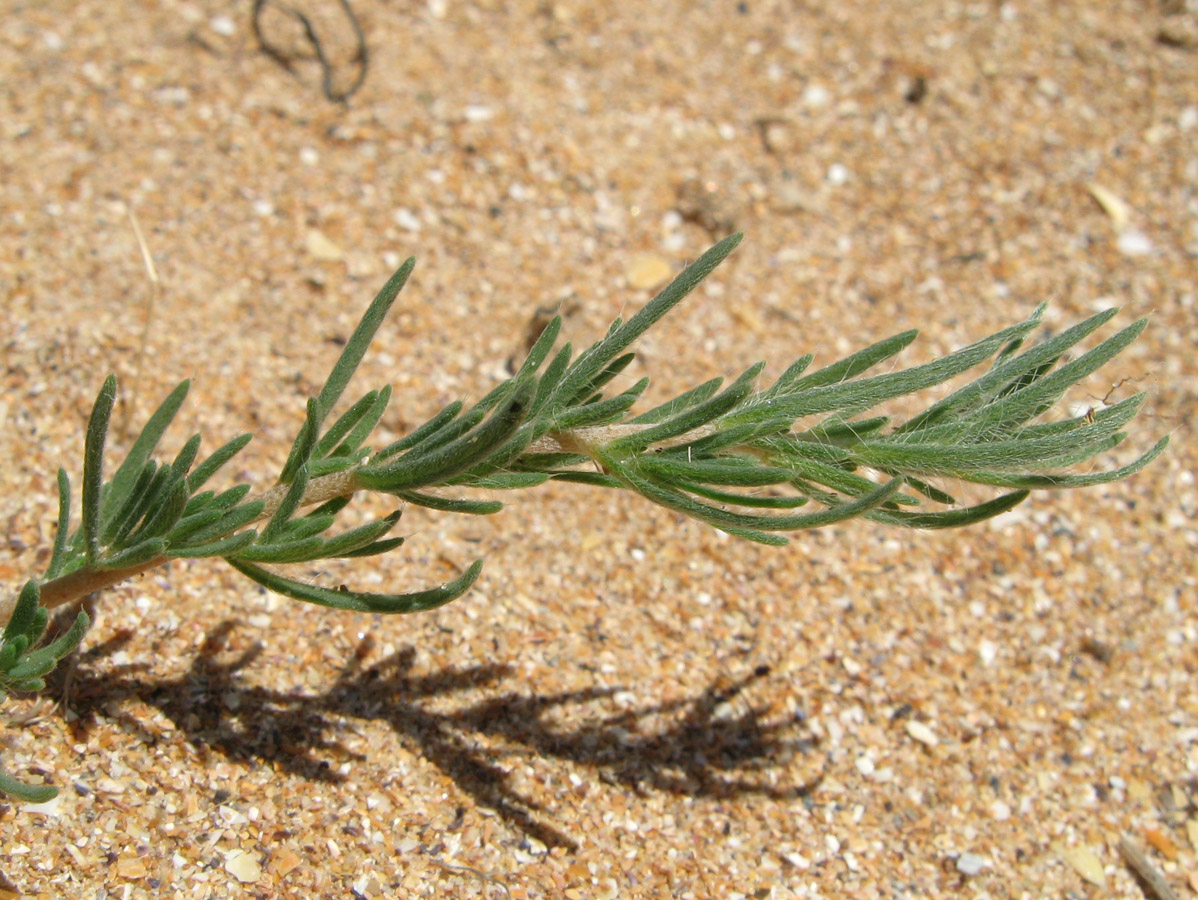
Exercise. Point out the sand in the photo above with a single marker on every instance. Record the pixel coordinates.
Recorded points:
(630, 704)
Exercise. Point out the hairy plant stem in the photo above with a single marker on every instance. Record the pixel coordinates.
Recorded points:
(74, 587)
(585, 440)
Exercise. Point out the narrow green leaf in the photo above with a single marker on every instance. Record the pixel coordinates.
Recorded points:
(541, 348)
(951, 518)
(302, 550)
(930, 491)
(306, 526)
(837, 431)
(343, 370)
(601, 412)
(672, 498)
(1120, 413)
(146, 443)
(733, 436)
(63, 528)
(166, 515)
(216, 461)
(139, 553)
(11, 650)
(359, 601)
(290, 503)
(446, 434)
(360, 433)
(27, 685)
(305, 442)
(720, 518)
(25, 617)
(225, 546)
(542, 462)
(417, 437)
(191, 524)
(1038, 454)
(691, 418)
(503, 481)
(330, 507)
(199, 503)
(66, 643)
(231, 521)
(1028, 402)
(750, 500)
(852, 365)
(358, 343)
(226, 500)
(1055, 481)
(787, 379)
(32, 665)
(151, 501)
(319, 467)
(594, 479)
(29, 793)
(460, 454)
(357, 538)
(850, 397)
(832, 476)
(137, 498)
(550, 378)
(93, 463)
(447, 504)
(683, 401)
(378, 547)
(622, 335)
(1008, 370)
(742, 473)
(609, 372)
(342, 426)
(186, 456)
(757, 537)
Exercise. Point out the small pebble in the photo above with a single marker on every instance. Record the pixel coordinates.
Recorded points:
(320, 247)
(1162, 842)
(1086, 864)
(838, 174)
(646, 271)
(816, 96)
(1134, 242)
(970, 863)
(987, 652)
(131, 867)
(243, 866)
(922, 733)
(407, 219)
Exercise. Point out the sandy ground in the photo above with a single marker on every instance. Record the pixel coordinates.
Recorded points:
(630, 705)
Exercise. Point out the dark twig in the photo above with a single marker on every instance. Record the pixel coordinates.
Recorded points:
(361, 55)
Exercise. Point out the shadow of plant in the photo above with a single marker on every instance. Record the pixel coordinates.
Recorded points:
(712, 744)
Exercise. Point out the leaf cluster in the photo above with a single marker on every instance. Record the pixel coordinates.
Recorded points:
(24, 665)
(755, 461)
